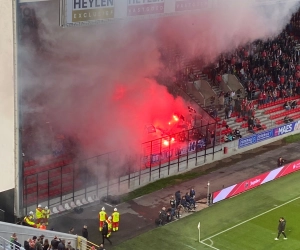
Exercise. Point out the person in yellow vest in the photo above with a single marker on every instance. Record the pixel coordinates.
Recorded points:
(109, 224)
(115, 220)
(43, 226)
(102, 217)
(46, 215)
(29, 220)
(39, 215)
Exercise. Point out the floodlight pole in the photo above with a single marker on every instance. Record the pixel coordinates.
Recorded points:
(208, 193)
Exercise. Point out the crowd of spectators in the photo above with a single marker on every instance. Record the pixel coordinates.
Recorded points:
(178, 203)
(39, 243)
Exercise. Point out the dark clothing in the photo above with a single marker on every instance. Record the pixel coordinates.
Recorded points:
(46, 246)
(17, 245)
(281, 225)
(104, 237)
(178, 197)
(61, 246)
(26, 245)
(38, 245)
(280, 162)
(105, 232)
(192, 193)
(54, 244)
(281, 228)
(163, 217)
(85, 233)
(190, 200)
(172, 204)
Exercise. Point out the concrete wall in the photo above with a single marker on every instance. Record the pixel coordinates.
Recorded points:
(24, 233)
(204, 87)
(192, 87)
(234, 83)
(7, 142)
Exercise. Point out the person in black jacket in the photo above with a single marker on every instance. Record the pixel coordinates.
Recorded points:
(280, 161)
(54, 243)
(178, 197)
(105, 233)
(85, 233)
(61, 245)
(281, 228)
(173, 206)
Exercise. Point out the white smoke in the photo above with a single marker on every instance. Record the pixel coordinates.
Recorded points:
(98, 82)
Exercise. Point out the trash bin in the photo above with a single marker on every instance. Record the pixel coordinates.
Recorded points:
(225, 150)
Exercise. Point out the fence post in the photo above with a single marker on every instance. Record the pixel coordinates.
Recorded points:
(150, 172)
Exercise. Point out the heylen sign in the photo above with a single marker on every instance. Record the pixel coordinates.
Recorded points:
(88, 10)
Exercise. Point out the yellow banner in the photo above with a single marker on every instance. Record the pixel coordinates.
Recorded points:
(92, 14)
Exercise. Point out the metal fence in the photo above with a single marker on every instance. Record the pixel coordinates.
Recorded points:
(115, 173)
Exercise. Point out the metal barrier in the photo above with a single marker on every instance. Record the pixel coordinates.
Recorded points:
(8, 245)
(24, 233)
(114, 173)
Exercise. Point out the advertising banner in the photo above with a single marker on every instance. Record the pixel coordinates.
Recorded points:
(145, 7)
(183, 5)
(268, 134)
(255, 181)
(86, 11)
(173, 153)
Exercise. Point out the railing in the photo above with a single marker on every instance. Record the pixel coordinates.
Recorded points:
(24, 233)
(115, 173)
(7, 245)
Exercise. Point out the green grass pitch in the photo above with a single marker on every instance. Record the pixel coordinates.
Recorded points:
(245, 222)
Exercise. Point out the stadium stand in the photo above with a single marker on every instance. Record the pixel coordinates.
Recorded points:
(268, 74)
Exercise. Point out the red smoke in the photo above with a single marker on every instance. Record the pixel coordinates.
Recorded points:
(97, 82)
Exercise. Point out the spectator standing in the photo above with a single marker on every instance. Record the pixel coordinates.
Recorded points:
(38, 244)
(193, 193)
(85, 232)
(226, 112)
(173, 206)
(54, 243)
(69, 246)
(178, 197)
(12, 239)
(280, 161)
(61, 245)
(71, 231)
(46, 245)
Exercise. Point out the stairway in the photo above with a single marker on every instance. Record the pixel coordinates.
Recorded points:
(194, 99)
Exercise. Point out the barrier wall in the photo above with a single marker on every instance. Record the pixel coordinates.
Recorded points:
(268, 134)
(255, 181)
(7, 145)
(23, 233)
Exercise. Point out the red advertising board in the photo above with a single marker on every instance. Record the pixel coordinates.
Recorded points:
(255, 181)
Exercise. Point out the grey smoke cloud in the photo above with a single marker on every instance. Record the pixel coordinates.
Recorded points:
(98, 82)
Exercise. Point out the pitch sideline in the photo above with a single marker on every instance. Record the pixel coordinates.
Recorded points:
(283, 204)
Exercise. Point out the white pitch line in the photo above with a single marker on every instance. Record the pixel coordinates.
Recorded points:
(212, 243)
(251, 218)
(209, 245)
(190, 247)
